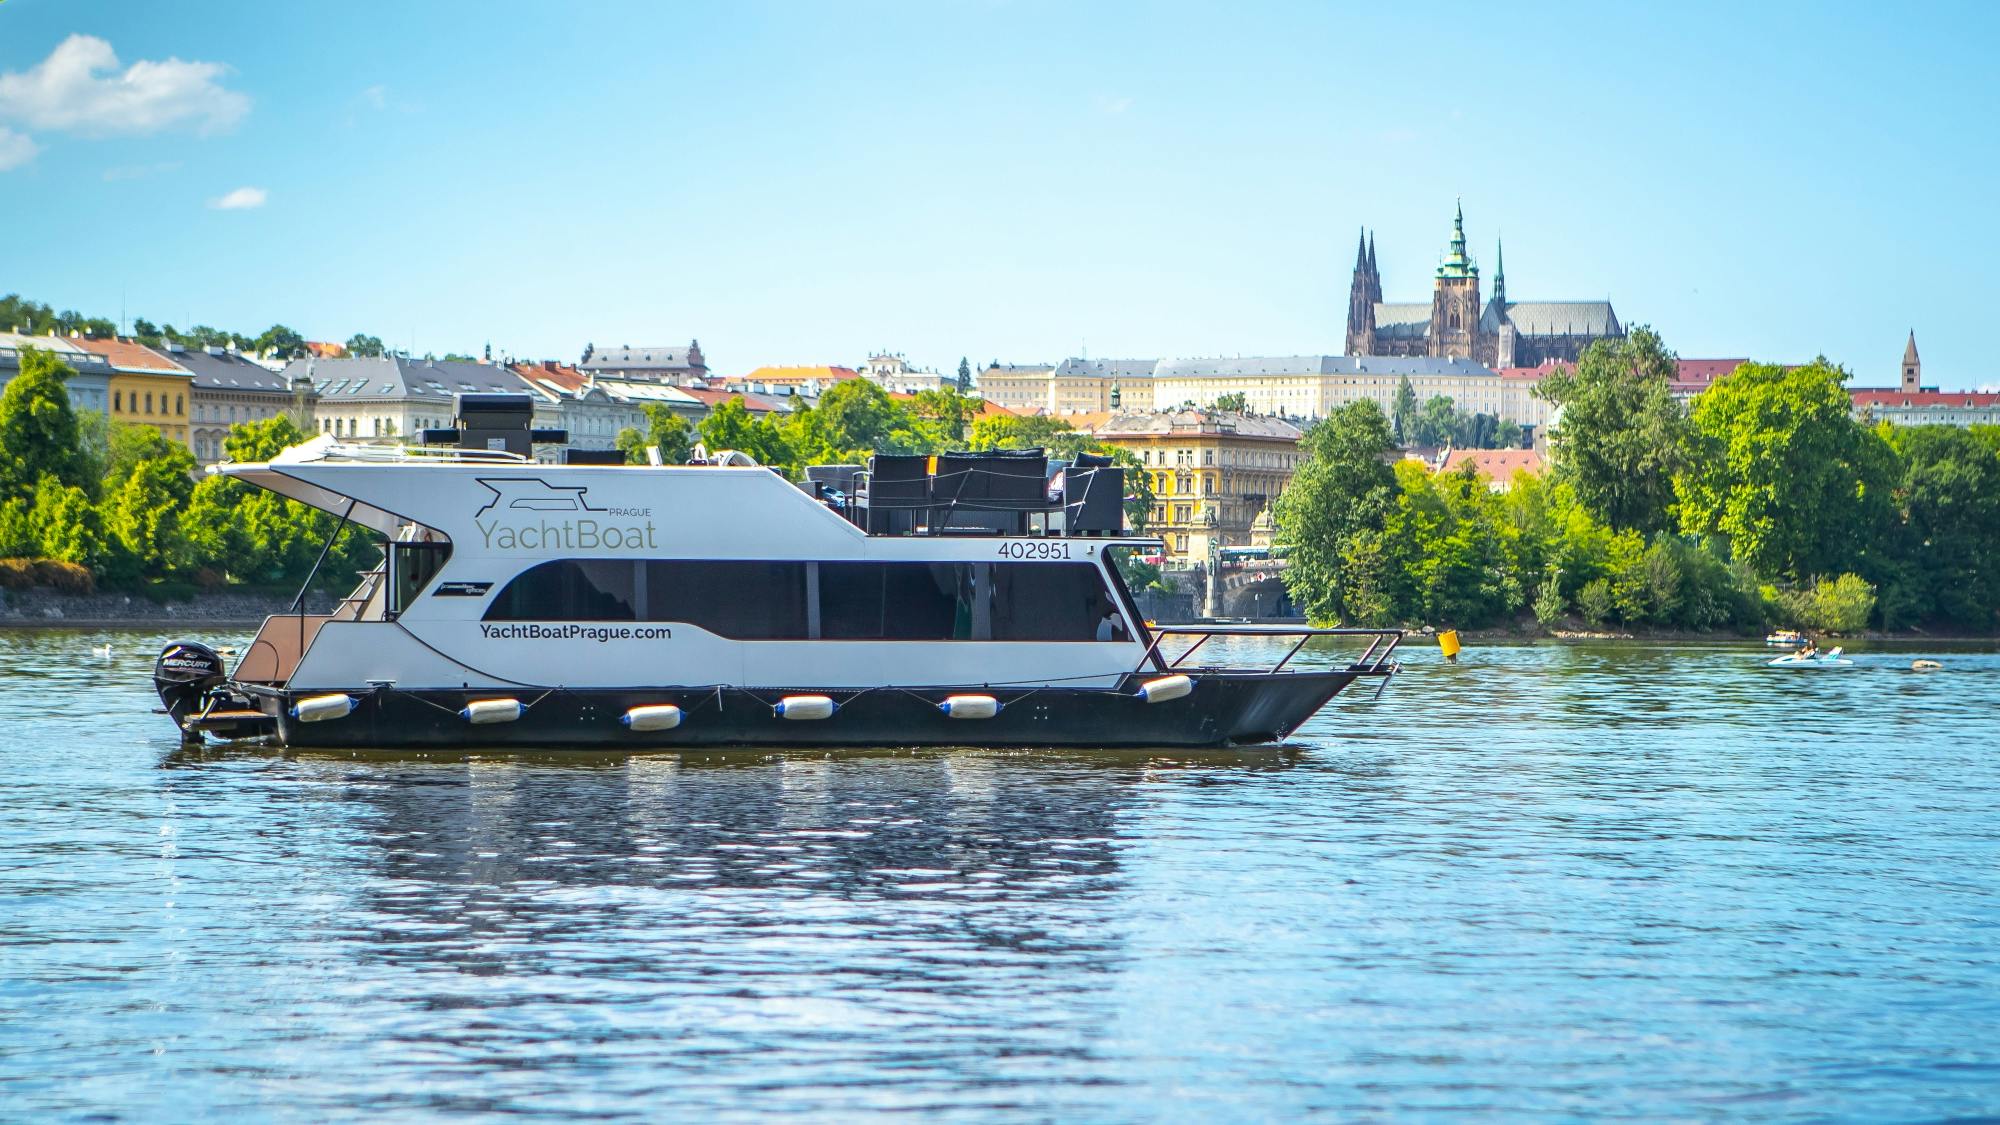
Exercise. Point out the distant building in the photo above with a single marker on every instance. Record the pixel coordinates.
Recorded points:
(592, 412)
(1693, 376)
(893, 373)
(89, 388)
(1020, 387)
(1214, 472)
(387, 400)
(1913, 404)
(227, 389)
(1454, 324)
(1313, 386)
(1082, 386)
(811, 380)
(147, 388)
(661, 364)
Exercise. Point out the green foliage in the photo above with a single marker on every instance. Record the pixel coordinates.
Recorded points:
(281, 342)
(1596, 601)
(1948, 552)
(1832, 605)
(1332, 517)
(1621, 436)
(666, 431)
(39, 436)
(253, 442)
(1404, 413)
(364, 347)
(964, 376)
(1234, 400)
(1779, 466)
(1549, 603)
(67, 526)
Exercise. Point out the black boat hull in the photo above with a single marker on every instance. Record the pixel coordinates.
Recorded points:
(1223, 709)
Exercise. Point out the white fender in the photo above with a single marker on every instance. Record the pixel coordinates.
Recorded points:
(320, 708)
(654, 716)
(804, 707)
(491, 711)
(970, 706)
(1165, 688)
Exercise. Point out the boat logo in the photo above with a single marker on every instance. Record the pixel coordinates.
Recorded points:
(534, 494)
(530, 514)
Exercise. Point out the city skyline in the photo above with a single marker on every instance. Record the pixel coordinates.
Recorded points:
(1018, 182)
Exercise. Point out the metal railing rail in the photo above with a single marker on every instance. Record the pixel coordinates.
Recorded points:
(1374, 660)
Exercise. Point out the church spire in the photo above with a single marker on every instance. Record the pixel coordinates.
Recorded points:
(1456, 262)
(1913, 368)
(1361, 251)
(1499, 273)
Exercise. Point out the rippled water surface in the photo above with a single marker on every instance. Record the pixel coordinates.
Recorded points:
(1614, 879)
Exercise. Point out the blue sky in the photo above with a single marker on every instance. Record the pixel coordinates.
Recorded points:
(798, 183)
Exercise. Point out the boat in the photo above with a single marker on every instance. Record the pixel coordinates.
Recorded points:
(533, 596)
(1790, 638)
(1829, 659)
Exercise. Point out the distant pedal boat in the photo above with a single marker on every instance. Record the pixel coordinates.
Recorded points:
(965, 599)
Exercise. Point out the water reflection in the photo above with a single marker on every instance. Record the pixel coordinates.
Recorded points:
(951, 916)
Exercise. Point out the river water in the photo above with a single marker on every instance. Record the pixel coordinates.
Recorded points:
(1550, 881)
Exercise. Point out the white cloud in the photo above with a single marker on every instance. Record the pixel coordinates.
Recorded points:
(79, 88)
(242, 199)
(16, 149)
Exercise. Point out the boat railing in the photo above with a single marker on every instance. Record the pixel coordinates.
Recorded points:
(1376, 660)
(355, 451)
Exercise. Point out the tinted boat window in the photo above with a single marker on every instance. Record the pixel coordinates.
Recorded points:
(1048, 602)
(747, 600)
(759, 600)
(895, 601)
(570, 590)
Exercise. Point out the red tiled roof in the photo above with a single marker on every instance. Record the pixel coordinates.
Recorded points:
(1974, 400)
(753, 402)
(551, 372)
(321, 349)
(125, 355)
(1500, 464)
(1705, 371)
(1530, 373)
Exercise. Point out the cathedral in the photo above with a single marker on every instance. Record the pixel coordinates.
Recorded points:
(1455, 325)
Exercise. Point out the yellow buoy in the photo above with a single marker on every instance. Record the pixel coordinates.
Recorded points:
(1448, 644)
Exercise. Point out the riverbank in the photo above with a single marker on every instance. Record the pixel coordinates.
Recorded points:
(119, 610)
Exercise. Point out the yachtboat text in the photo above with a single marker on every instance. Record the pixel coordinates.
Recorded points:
(568, 535)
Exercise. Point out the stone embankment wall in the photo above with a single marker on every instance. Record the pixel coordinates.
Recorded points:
(231, 607)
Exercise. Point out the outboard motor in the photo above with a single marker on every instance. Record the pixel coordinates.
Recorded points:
(184, 675)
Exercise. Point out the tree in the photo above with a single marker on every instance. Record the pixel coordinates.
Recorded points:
(964, 376)
(364, 347)
(1621, 437)
(1948, 497)
(1436, 423)
(128, 446)
(949, 414)
(145, 331)
(1234, 400)
(665, 431)
(143, 514)
(1778, 465)
(1332, 515)
(260, 441)
(280, 342)
(1015, 431)
(38, 431)
(1507, 434)
(1405, 411)
(67, 526)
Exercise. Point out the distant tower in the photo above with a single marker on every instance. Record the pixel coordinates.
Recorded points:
(1361, 298)
(1455, 301)
(1504, 338)
(1913, 368)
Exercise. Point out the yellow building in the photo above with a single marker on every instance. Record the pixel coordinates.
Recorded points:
(147, 388)
(1214, 472)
